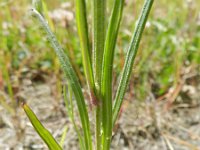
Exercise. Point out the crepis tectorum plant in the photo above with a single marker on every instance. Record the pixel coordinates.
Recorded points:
(97, 69)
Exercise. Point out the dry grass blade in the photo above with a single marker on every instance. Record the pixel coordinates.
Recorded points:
(182, 142)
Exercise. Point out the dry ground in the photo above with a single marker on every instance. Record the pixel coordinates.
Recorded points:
(146, 125)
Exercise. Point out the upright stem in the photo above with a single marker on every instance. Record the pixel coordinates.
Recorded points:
(99, 10)
(106, 88)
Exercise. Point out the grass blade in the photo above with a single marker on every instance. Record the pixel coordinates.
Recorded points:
(71, 76)
(132, 51)
(106, 88)
(81, 19)
(70, 110)
(99, 19)
(41, 130)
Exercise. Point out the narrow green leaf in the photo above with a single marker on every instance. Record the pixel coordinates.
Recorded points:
(81, 19)
(99, 19)
(106, 88)
(70, 110)
(132, 51)
(41, 130)
(71, 76)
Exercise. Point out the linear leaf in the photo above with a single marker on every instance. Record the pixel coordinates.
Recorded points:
(106, 88)
(70, 110)
(99, 19)
(41, 130)
(81, 19)
(132, 51)
(71, 76)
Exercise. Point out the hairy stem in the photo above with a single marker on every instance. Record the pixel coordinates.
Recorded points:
(99, 13)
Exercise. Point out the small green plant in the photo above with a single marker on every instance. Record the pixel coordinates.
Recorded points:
(98, 67)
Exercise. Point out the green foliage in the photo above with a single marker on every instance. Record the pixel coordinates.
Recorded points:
(41, 130)
(98, 37)
(106, 88)
(99, 78)
(70, 111)
(71, 76)
(131, 54)
(164, 51)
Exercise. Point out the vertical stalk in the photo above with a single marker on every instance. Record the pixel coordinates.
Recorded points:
(106, 88)
(99, 13)
(132, 51)
(98, 128)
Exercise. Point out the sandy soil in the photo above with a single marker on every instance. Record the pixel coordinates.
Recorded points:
(142, 126)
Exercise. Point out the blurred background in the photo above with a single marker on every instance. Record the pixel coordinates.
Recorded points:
(161, 109)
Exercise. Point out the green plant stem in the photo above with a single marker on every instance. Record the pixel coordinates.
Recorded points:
(98, 127)
(106, 88)
(132, 51)
(99, 13)
(72, 78)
